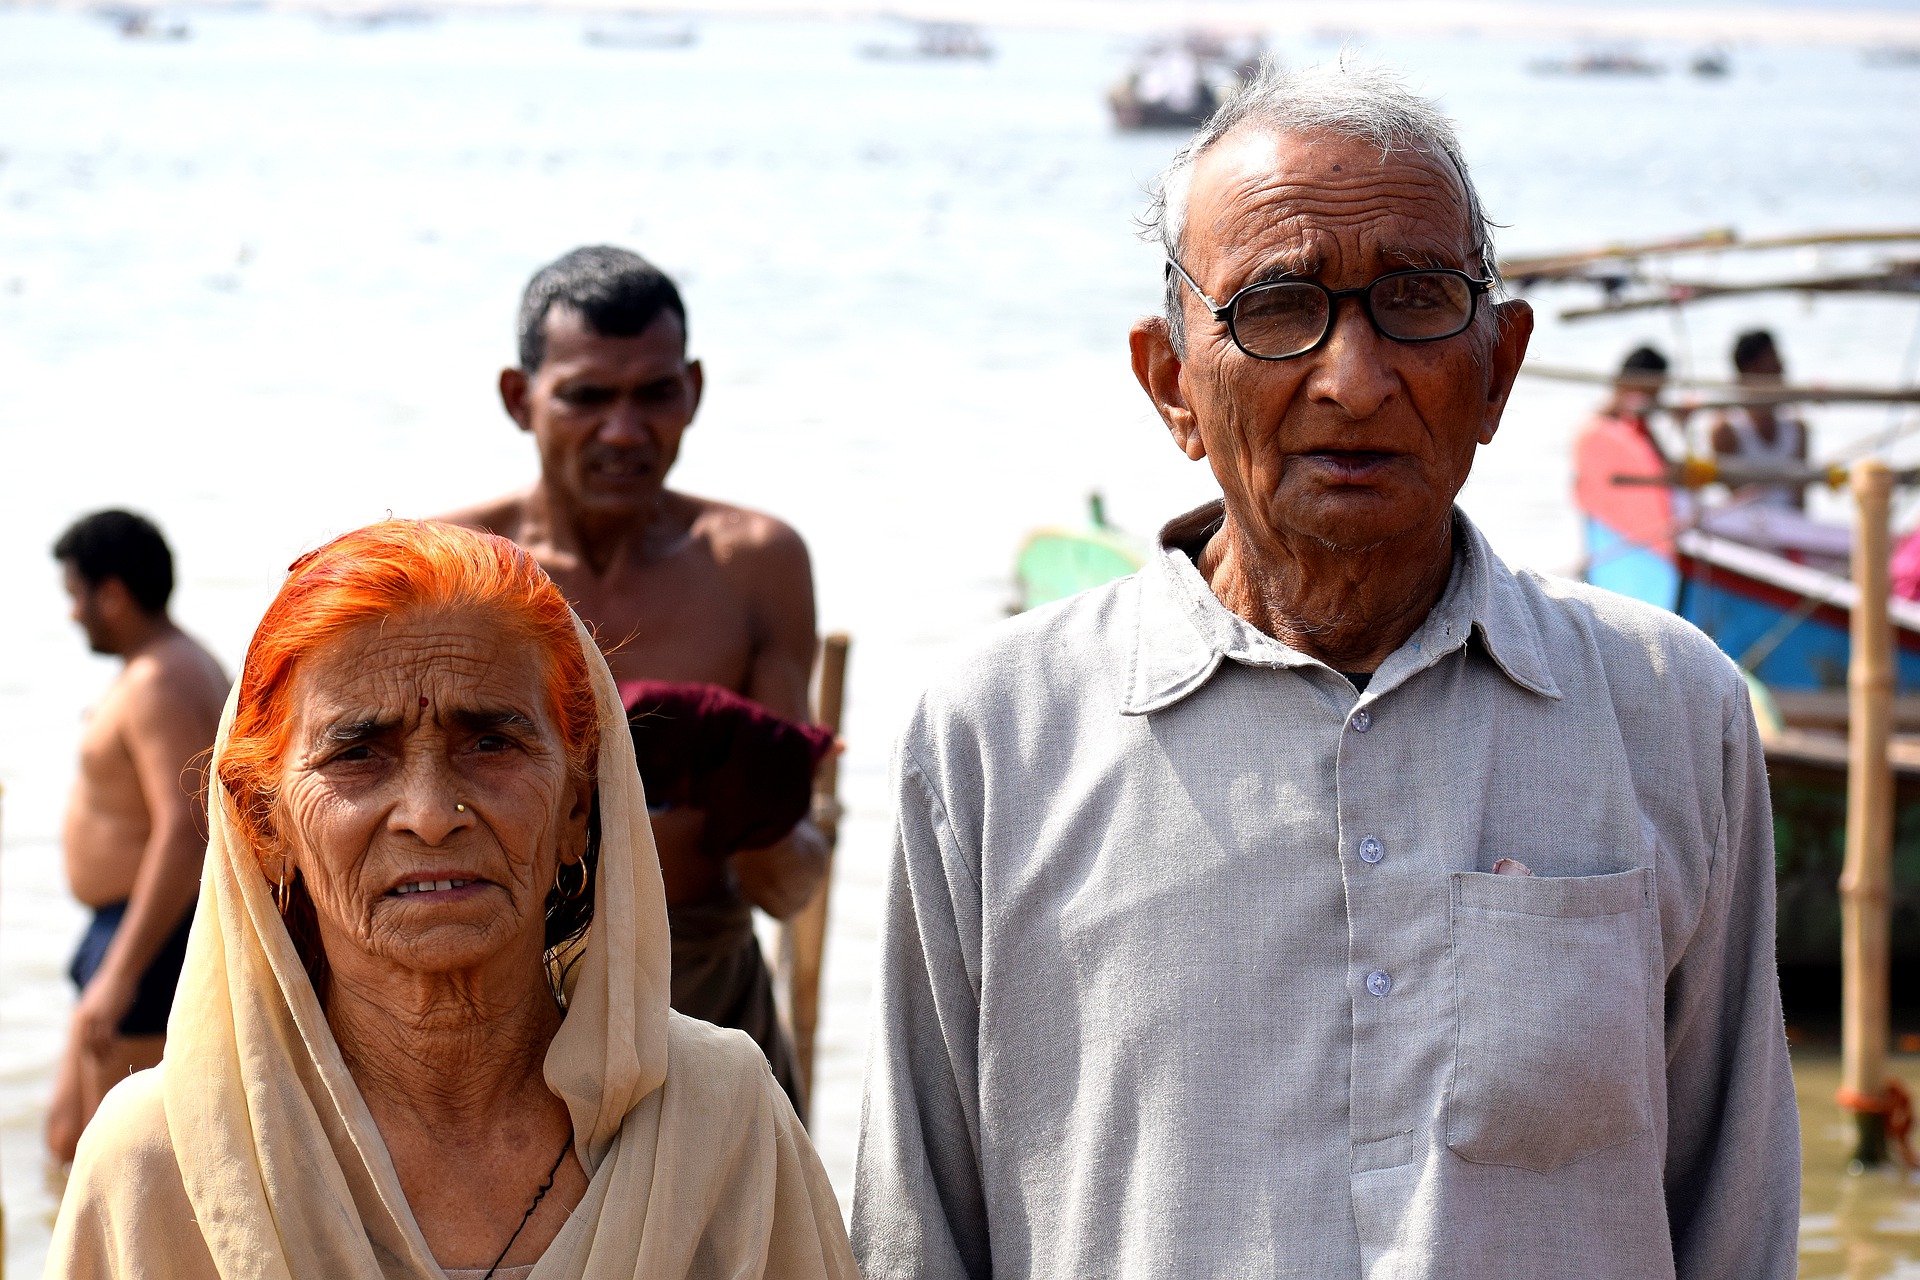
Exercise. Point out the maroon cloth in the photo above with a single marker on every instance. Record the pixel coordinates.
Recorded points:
(708, 748)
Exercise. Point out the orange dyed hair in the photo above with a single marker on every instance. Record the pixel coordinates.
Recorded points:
(395, 567)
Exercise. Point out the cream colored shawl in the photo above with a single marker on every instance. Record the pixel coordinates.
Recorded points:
(249, 1152)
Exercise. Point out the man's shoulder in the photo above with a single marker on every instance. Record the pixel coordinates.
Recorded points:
(500, 516)
(1639, 645)
(176, 676)
(734, 531)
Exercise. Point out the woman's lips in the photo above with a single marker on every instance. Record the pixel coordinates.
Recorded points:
(438, 889)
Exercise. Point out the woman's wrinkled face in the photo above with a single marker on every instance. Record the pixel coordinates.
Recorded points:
(425, 797)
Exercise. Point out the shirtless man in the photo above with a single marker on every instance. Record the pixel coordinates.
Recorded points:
(676, 587)
(136, 825)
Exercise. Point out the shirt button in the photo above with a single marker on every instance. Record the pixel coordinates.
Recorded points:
(1378, 983)
(1361, 721)
(1371, 850)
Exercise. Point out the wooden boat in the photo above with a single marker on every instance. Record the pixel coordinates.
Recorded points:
(1056, 563)
(936, 41)
(640, 31)
(1177, 84)
(1768, 585)
(1599, 62)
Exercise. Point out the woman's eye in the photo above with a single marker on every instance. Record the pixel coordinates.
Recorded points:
(355, 755)
(492, 742)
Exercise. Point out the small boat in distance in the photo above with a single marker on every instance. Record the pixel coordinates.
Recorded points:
(641, 31)
(1056, 563)
(1177, 83)
(1711, 64)
(143, 24)
(1599, 62)
(935, 41)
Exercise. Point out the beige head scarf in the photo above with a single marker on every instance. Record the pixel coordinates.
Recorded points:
(253, 1154)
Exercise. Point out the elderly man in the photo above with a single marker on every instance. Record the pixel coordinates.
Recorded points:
(694, 600)
(1329, 899)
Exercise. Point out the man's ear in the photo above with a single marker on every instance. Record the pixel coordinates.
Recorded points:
(1157, 365)
(113, 601)
(1512, 330)
(697, 383)
(513, 396)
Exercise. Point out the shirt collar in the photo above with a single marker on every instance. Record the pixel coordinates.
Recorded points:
(1185, 633)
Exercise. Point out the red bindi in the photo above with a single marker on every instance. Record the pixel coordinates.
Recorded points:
(423, 702)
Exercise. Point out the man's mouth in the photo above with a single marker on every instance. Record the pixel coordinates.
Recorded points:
(1350, 464)
(620, 469)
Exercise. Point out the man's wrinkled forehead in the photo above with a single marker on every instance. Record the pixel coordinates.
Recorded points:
(1286, 192)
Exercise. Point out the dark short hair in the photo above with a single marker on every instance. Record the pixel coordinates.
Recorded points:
(120, 544)
(1750, 346)
(1644, 360)
(618, 293)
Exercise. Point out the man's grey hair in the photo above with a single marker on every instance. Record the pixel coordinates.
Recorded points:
(1351, 99)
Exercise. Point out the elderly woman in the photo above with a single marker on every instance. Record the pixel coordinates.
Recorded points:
(398, 1048)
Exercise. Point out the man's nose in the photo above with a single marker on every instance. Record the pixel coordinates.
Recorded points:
(1351, 369)
(626, 424)
(430, 804)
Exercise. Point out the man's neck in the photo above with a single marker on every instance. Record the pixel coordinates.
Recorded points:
(1348, 608)
(655, 529)
(145, 635)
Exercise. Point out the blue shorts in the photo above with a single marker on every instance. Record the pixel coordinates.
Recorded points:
(152, 1000)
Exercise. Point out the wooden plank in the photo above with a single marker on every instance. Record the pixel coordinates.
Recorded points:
(804, 936)
(1866, 879)
(1827, 709)
(1571, 265)
(1707, 394)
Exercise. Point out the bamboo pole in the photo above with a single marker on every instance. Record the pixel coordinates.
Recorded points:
(804, 936)
(1864, 881)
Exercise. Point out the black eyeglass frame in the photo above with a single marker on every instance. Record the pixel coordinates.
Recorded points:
(1225, 313)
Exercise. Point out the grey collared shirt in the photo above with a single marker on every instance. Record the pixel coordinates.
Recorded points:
(1194, 963)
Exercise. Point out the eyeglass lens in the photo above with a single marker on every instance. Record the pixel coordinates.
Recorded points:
(1287, 318)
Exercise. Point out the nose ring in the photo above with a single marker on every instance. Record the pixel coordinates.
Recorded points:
(459, 808)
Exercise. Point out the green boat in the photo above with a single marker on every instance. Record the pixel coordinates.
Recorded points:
(1056, 563)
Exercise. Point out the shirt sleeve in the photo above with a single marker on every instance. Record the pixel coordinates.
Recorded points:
(1733, 1136)
(919, 1208)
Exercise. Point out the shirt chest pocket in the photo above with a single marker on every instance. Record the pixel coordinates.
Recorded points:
(1553, 985)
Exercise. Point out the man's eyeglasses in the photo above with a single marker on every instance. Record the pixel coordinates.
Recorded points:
(1281, 319)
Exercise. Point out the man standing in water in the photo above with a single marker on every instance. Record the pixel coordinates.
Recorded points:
(677, 588)
(136, 827)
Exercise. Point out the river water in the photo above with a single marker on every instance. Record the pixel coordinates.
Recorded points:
(258, 284)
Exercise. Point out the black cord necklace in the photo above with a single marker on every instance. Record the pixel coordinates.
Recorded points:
(537, 1198)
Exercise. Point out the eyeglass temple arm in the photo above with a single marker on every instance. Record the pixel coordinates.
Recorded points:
(1219, 312)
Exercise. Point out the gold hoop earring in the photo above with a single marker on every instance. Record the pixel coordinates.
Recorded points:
(280, 888)
(560, 878)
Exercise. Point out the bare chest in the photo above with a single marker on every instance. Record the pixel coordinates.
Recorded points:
(107, 773)
(682, 620)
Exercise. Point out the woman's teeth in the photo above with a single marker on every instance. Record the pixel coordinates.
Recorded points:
(431, 886)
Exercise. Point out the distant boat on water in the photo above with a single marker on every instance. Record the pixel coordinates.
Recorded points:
(1055, 563)
(379, 19)
(1711, 64)
(935, 41)
(144, 24)
(641, 31)
(1599, 62)
(1177, 83)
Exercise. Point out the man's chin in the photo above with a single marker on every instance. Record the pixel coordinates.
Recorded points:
(1352, 519)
